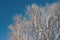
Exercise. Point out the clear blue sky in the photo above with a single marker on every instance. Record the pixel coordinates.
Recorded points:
(8, 8)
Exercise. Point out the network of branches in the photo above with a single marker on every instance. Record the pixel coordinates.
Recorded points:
(41, 23)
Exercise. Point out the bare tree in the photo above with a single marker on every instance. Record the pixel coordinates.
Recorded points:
(40, 24)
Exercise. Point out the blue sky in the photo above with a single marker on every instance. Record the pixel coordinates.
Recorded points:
(8, 8)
